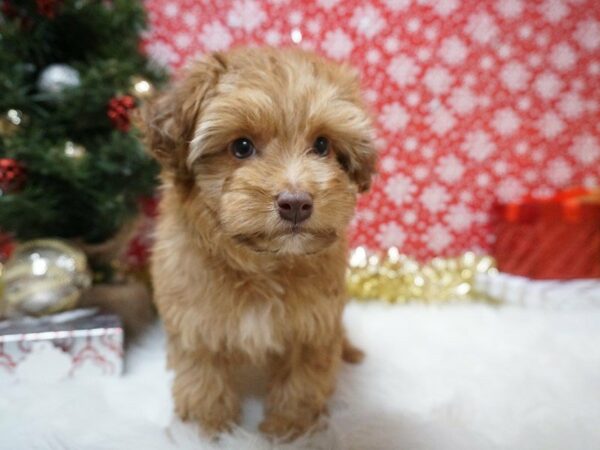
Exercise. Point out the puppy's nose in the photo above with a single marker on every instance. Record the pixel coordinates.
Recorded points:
(294, 206)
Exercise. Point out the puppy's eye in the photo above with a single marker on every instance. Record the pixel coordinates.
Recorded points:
(242, 148)
(321, 146)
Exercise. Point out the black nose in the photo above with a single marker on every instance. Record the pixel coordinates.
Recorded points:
(294, 206)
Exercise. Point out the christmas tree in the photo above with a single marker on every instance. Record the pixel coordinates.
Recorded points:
(71, 74)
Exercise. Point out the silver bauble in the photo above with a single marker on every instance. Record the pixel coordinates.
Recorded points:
(55, 78)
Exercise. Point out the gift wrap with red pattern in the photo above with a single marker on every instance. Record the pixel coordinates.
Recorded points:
(76, 343)
(475, 101)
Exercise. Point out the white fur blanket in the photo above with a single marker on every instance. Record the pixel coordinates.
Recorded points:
(459, 376)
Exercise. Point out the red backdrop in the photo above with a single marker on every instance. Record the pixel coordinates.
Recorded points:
(475, 101)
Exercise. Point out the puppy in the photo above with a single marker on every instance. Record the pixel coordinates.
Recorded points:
(262, 154)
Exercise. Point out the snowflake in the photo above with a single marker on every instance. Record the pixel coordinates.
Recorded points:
(273, 37)
(515, 76)
(500, 168)
(434, 197)
(388, 164)
(373, 56)
(413, 25)
(390, 235)
(478, 145)
(547, 85)
(554, 10)
(182, 40)
(510, 190)
(444, 7)
(215, 36)
(450, 169)
(337, 44)
(162, 53)
(246, 14)
(391, 45)
(453, 51)
(410, 217)
(509, 9)
(400, 189)
(486, 62)
(421, 172)
(437, 238)
(394, 117)
(504, 51)
(367, 21)
(483, 180)
(327, 4)
(525, 32)
(559, 172)
(171, 9)
(411, 144)
(588, 34)
(397, 5)
(413, 98)
(571, 105)
(563, 57)
(441, 121)
(438, 80)
(585, 149)
(482, 28)
(550, 125)
(463, 100)
(460, 217)
(423, 54)
(403, 70)
(506, 122)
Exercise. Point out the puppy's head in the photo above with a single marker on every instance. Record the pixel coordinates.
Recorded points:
(276, 144)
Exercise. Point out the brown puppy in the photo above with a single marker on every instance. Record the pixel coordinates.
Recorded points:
(263, 152)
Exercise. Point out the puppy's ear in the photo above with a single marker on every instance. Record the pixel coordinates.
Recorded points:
(363, 167)
(168, 121)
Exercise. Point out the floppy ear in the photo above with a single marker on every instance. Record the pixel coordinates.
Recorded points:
(363, 167)
(168, 121)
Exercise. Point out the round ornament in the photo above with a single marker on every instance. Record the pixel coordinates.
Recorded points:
(11, 121)
(44, 276)
(74, 151)
(12, 175)
(55, 78)
(141, 88)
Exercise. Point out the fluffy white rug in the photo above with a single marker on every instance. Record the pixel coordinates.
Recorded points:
(460, 376)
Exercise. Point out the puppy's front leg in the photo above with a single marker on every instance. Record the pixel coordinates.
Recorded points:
(301, 382)
(203, 391)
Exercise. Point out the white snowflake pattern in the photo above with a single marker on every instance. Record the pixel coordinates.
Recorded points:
(550, 125)
(482, 28)
(437, 238)
(441, 120)
(438, 80)
(373, 56)
(450, 169)
(444, 7)
(588, 34)
(246, 14)
(506, 122)
(403, 70)
(547, 85)
(394, 117)
(390, 235)
(510, 190)
(162, 53)
(460, 217)
(273, 37)
(453, 51)
(337, 44)
(559, 172)
(462, 100)
(391, 45)
(563, 57)
(515, 76)
(509, 9)
(215, 36)
(388, 164)
(400, 189)
(397, 5)
(585, 149)
(182, 40)
(478, 145)
(434, 197)
(367, 21)
(410, 217)
(327, 4)
(571, 105)
(554, 10)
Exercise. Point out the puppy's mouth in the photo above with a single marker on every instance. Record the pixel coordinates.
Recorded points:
(294, 239)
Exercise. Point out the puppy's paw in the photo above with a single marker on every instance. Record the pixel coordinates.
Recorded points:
(214, 419)
(287, 428)
(352, 354)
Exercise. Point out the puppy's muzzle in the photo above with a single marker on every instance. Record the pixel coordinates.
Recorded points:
(295, 207)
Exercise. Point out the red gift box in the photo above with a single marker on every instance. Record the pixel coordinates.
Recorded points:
(551, 238)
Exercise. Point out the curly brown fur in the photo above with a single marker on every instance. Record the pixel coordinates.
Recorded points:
(234, 283)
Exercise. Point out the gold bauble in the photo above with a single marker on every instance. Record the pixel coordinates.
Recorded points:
(44, 276)
(141, 88)
(11, 121)
(74, 151)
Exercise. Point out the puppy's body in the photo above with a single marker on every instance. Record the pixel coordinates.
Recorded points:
(234, 281)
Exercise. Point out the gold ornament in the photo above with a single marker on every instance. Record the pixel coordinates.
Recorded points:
(11, 121)
(74, 151)
(397, 278)
(44, 276)
(141, 88)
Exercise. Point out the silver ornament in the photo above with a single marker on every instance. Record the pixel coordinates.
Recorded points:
(55, 78)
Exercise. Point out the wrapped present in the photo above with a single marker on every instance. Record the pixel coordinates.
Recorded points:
(550, 238)
(71, 344)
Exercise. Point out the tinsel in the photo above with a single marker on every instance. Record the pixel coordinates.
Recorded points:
(397, 278)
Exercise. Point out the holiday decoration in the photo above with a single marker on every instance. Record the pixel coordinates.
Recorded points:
(556, 237)
(141, 88)
(47, 7)
(76, 344)
(43, 277)
(74, 151)
(118, 112)
(55, 78)
(397, 278)
(474, 101)
(11, 121)
(12, 175)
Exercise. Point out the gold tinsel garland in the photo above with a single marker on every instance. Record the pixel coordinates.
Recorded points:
(397, 278)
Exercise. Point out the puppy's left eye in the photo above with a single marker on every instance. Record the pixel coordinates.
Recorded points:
(321, 146)
(242, 148)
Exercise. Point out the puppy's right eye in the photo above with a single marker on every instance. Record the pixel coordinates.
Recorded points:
(242, 148)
